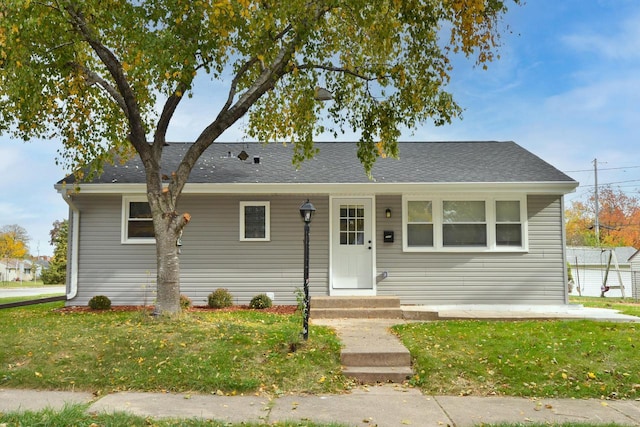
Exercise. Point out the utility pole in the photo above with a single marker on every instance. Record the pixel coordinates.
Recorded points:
(597, 202)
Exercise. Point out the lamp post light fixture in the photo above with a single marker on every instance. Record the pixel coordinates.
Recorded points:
(306, 212)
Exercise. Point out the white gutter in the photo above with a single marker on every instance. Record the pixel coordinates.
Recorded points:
(558, 187)
(74, 228)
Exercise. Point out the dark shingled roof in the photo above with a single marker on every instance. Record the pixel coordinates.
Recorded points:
(429, 162)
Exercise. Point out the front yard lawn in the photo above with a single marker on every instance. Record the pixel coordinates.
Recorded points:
(236, 352)
(209, 352)
(525, 358)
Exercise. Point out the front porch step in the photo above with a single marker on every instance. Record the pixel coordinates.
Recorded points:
(379, 307)
(371, 353)
(355, 313)
(355, 302)
(399, 357)
(378, 374)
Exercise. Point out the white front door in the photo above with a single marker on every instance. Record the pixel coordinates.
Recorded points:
(352, 247)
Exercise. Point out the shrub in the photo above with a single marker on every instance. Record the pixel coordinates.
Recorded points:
(220, 298)
(260, 301)
(100, 302)
(185, 302)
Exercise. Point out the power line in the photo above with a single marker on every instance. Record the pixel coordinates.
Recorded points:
(611, 183)
(603, 169)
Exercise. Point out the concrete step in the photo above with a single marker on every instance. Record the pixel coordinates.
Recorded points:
(379, 374)
(355, 313)
(355, 302)
(375, 359)
(376, 307)
(370, 352)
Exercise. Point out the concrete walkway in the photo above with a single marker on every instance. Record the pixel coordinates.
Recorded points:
(31, 292)
(382, 405)
(513, 312)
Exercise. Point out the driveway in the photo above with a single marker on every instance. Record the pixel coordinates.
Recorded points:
(31, 292)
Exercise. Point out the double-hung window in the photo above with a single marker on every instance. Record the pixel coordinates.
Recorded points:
(420, 223)
(137, 223)
(464, 223)
(508, 223)
(255, 221)
(476, 223)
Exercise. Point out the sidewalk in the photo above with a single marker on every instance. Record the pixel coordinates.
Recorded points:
(387, 405)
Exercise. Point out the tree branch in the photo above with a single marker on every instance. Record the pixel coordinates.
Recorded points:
(234, 83)
(246, 67)
(231, 111)
(94, 78)
(338, 70)
(131, 110)
(167, 112)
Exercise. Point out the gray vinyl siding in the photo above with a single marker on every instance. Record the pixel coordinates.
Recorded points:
(634, 260)
(214, 257)
(212, 254)
(535, 277)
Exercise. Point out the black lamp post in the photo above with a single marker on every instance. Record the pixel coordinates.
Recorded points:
(306, 211)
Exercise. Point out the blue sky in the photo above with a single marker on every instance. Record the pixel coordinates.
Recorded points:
(567, 88)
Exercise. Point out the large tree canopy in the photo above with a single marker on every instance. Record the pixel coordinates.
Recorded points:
(106, 76)
(14, 242)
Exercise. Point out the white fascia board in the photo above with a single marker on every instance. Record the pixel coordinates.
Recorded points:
(556, 188)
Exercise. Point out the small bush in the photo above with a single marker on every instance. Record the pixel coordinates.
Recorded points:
(100, 302)
(260, 302)
(185, 302)
(220, 298)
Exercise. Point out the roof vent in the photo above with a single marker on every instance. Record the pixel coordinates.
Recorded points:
(256, 160)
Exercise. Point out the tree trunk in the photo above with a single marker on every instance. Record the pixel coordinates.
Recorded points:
(168, 268)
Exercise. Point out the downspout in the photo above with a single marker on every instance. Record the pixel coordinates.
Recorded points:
(565, 274)
(73, 241)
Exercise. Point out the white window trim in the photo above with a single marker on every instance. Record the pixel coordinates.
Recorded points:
(267, 220)
(124, 239)
(490, 216)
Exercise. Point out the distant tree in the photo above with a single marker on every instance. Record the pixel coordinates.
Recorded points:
(14, 241)
(107, 77)
(57, 270)
(579, 225)
(619, 220)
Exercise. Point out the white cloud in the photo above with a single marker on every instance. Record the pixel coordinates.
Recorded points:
(622, 43)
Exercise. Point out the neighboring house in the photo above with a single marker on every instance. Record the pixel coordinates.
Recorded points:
(447, 223)
(589, 268)
(634, 260)
(16, 270)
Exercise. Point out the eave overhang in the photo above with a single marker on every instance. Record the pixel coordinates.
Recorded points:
(556, 188)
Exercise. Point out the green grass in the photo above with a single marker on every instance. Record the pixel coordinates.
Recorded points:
(231, 352)
(528, 358)
(252, 351)
(77, 415)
